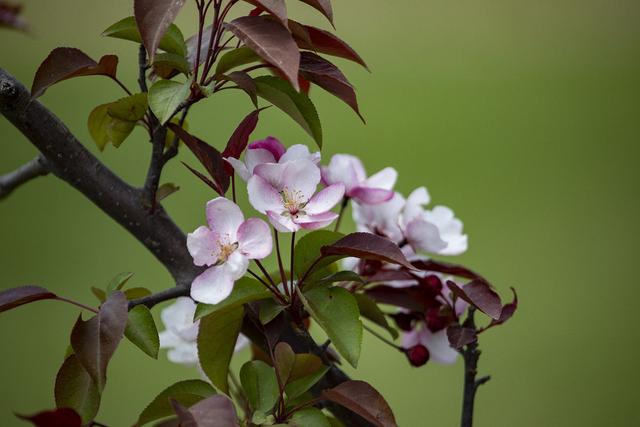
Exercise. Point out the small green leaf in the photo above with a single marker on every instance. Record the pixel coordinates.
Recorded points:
(307, 250)
(99, 293)
(217, 336)
(370, 310)
(141, 330)
(135, 293)
(336, 311)
(131, 108)
(269, 310)
(76, 390)
(105, 129)
(244, 290)
(127, 29)
(186, 392)
(165, 190)
(167, 65)
(299, 386)
(297, 105)
(118, 282)
(309, 417)
(235, 58)
(165, 96)
(260, 384)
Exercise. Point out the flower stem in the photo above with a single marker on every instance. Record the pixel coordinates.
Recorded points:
(283, 275)
(343, 206)
(381, 338)
(273, 290)
(292, 254)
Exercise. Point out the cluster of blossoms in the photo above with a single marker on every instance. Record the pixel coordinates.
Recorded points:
(282, 185)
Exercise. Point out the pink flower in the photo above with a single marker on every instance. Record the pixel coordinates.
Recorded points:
(225, 246)
(348, 170)
(284, 192)
(269, 150)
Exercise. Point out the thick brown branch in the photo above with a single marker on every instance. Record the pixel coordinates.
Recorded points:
(25, 173)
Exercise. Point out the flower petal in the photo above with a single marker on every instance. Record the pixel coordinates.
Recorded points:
(382, 218)
(385, 179)
(301, 176)
(325, 199)
(299, 152)
(438, 346)
(273, 173)
(213, 285)
(257, 156)
(414, 206)
(424, 236)
(450, 229)
(282, 223)
(254, 238)
(184, 354)
(224, 217)
(262, 196)
(239, 167)
(271, 144)
(203, 246)
(314, 222)
(345, 169)
(370, 196)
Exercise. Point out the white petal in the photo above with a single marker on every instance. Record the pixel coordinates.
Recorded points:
(315, 222)
(273, 173)
(414, 206)
(301, 176)
(239, 167)
(224, 217)
(325, 199)
(438, 345)
(382, 218)
(344, 169)
(236, 265)
(298, 152)
(168, 339)
(184, 354)
(179, 315)
(424, 236)
(203, 246)
(254, 238)
(282, 223)
(257, 156)
(384, 179)
(450, 229)
(262, 196)
(212, 286)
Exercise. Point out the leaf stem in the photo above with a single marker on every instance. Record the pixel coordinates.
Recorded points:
(381, 338)
(77, 304)
(283, 275)
(343, 206)
(115, 79)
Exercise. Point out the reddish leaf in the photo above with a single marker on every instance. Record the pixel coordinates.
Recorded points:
(364, 400)
(61, 417)
(367, 246)
(240, 138)
(10, 16)
(409, 297)
(326, 75)
(210, 158)
(65, 63)
(322, 41)
(214, 411)
(153, 18)
(15, 297)
(460, 336)
(508, 310)
(271, 41)
(277, 8)
(94, 341)
(324, 6)
(479, 294)
(447, 268)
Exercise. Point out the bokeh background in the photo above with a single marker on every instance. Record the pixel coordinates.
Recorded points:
(522, 116)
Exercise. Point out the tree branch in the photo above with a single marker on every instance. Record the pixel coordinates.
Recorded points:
(470, 354)
(74, 164)
(25, 173)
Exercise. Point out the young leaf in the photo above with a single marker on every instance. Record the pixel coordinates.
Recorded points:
(75, 389)
(127, 29)
(336, 311)
(94, 341)
(236, 58)
(299, 385)
(260, 385)
(240, 137)
(105, 129)
(118, 282)
(165, 190)
(215, 411)
(168, 65)
(508, 310)
(367, 246)
(309, 417)
(208, 156)
(217, 337)
(271, 41)
(479, 294)
(324, 42)
(65, 63)
(188, 392)
(61, 417)
(324, 6)
(244, 290)
(369, 309)
(297, 105)
(99, 293)
(15, 297)
(326, 75)
(131, 108)
(10, 16)
(165, 96)
(364, 400)
(154, 18)
(460, 336)
(308, 247)
(141, 330)
(137, 292)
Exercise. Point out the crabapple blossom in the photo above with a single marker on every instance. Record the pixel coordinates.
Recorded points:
(348, 170)
(285, 193)
(181, 332)
(269, 150)
(225, 247)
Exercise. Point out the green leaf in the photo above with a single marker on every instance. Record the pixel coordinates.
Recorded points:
(309, 417)
(269, 310)
(244, 290)
(370, 310)
(99, 293)
(127, 29)
(284, 361)
(167, 65)
(75, 389)
(297, 105)
(299, 386)
(118, 282)
(307, 250)
(186, 392)
(141, 330)
(336, 311)
(165, 96)
(260, 384)
(340, 276)
(135, 293)
(105, 129)
(165, 190)
(235, 58)
(217, 336)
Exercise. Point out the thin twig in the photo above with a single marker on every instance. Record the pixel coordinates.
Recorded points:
(343, 206)
(470, 354)
(283, 275)
(25, 173)
(77, 304)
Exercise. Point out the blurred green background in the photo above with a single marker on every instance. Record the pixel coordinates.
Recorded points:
(522, 116)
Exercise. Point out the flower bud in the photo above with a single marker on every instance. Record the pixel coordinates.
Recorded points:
(418, 355)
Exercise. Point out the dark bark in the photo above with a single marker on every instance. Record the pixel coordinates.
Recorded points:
(25, 173)
(470, 354)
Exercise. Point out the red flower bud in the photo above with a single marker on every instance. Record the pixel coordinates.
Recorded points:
(418, 355)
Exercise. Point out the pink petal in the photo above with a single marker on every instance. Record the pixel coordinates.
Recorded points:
(385, 179)
(212, 286)
(263, 196)
(325, 199)
(314, 222)
(239, 167)
(257, 157)
(424, 236)
(270, 144)
(273, 173)
(282, 223)
(299, 152)
(203, 246)
(254, 238)
(224, 217)
(345, 169)
(301, 176)
(370, 196)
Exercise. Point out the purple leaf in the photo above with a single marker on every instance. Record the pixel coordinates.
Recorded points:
(508, 310)
(364, 400)
(240, 137)
(460, 336)
(277, 8)
(210, 158)
(153, 18)
(324, 42)
(15, 297)
(214, 411)
(447, 268)
(324, 6)
(367, 246)
(10, 16)
(409, 297)
(61, 417)
(326, 75)
(94, 341)
(65, 63)
(479, 294)
(271, 41)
